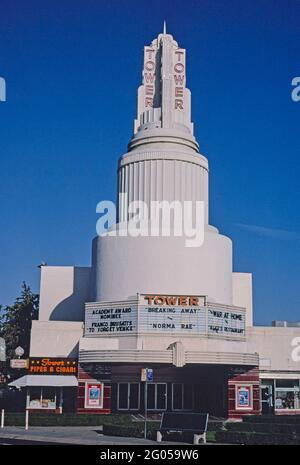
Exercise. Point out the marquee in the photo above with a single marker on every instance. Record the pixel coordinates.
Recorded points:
(188, 315)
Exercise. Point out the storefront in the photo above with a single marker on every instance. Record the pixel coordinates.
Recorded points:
(185, 377)
(51, 385)
(197, 388)
(280, 396)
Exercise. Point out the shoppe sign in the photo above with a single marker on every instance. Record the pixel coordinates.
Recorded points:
(52, 366)
(165, 314)
(19, 363)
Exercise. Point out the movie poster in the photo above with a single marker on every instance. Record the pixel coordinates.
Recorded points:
(243, 397)
(93, 395)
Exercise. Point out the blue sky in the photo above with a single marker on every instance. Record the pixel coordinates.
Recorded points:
(72, 70)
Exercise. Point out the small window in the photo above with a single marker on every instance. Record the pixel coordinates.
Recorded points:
(287, 395)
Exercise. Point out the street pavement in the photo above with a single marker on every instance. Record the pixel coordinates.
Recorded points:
(82, 435)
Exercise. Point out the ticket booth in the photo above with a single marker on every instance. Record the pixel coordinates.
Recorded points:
(52, 394)
(51, 384)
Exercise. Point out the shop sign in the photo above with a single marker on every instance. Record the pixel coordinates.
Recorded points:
(244, 397)
(52, 366)
(93, 396)
(19, 363)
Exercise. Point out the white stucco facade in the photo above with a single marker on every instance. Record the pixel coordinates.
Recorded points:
(124, 266)
(242, 294)
(63, 292)
(277, 348)
(55, 338)
(162, 163)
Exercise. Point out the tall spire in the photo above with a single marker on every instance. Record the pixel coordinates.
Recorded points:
(164, 101)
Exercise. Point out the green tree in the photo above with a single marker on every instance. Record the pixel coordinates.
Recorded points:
(16, 320)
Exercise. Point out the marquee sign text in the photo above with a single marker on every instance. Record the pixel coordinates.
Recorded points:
(165, 314)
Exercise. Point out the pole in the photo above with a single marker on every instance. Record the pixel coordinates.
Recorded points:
(2, 418)
(61, 400)
(26, 419)
(146, 400)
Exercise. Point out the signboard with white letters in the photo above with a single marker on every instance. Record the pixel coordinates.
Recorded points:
(166, 319)
(226, 322)
(111, 319)
(183, 315)
(19, 363)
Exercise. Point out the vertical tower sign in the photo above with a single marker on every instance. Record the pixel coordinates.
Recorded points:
(179, 78)
(149, 75)
(163, 99)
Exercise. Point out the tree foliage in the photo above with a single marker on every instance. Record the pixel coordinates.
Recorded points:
(16, 320)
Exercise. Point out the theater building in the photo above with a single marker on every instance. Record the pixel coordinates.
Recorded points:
(154, 302)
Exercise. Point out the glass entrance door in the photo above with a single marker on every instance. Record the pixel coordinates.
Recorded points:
(128, 396)
(266, 398)
(156, 396)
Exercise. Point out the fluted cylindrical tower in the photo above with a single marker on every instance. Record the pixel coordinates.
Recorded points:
(163, 161)
(162, 164)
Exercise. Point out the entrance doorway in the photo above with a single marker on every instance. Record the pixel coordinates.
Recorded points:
(189, 388)
(157, 396)
(267, 405)
(128, 396)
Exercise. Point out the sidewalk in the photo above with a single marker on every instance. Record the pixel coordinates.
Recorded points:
(82, 435)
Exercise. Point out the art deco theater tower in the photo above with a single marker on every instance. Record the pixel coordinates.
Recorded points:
(151, 301)
(155, 300)
(163, 163)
